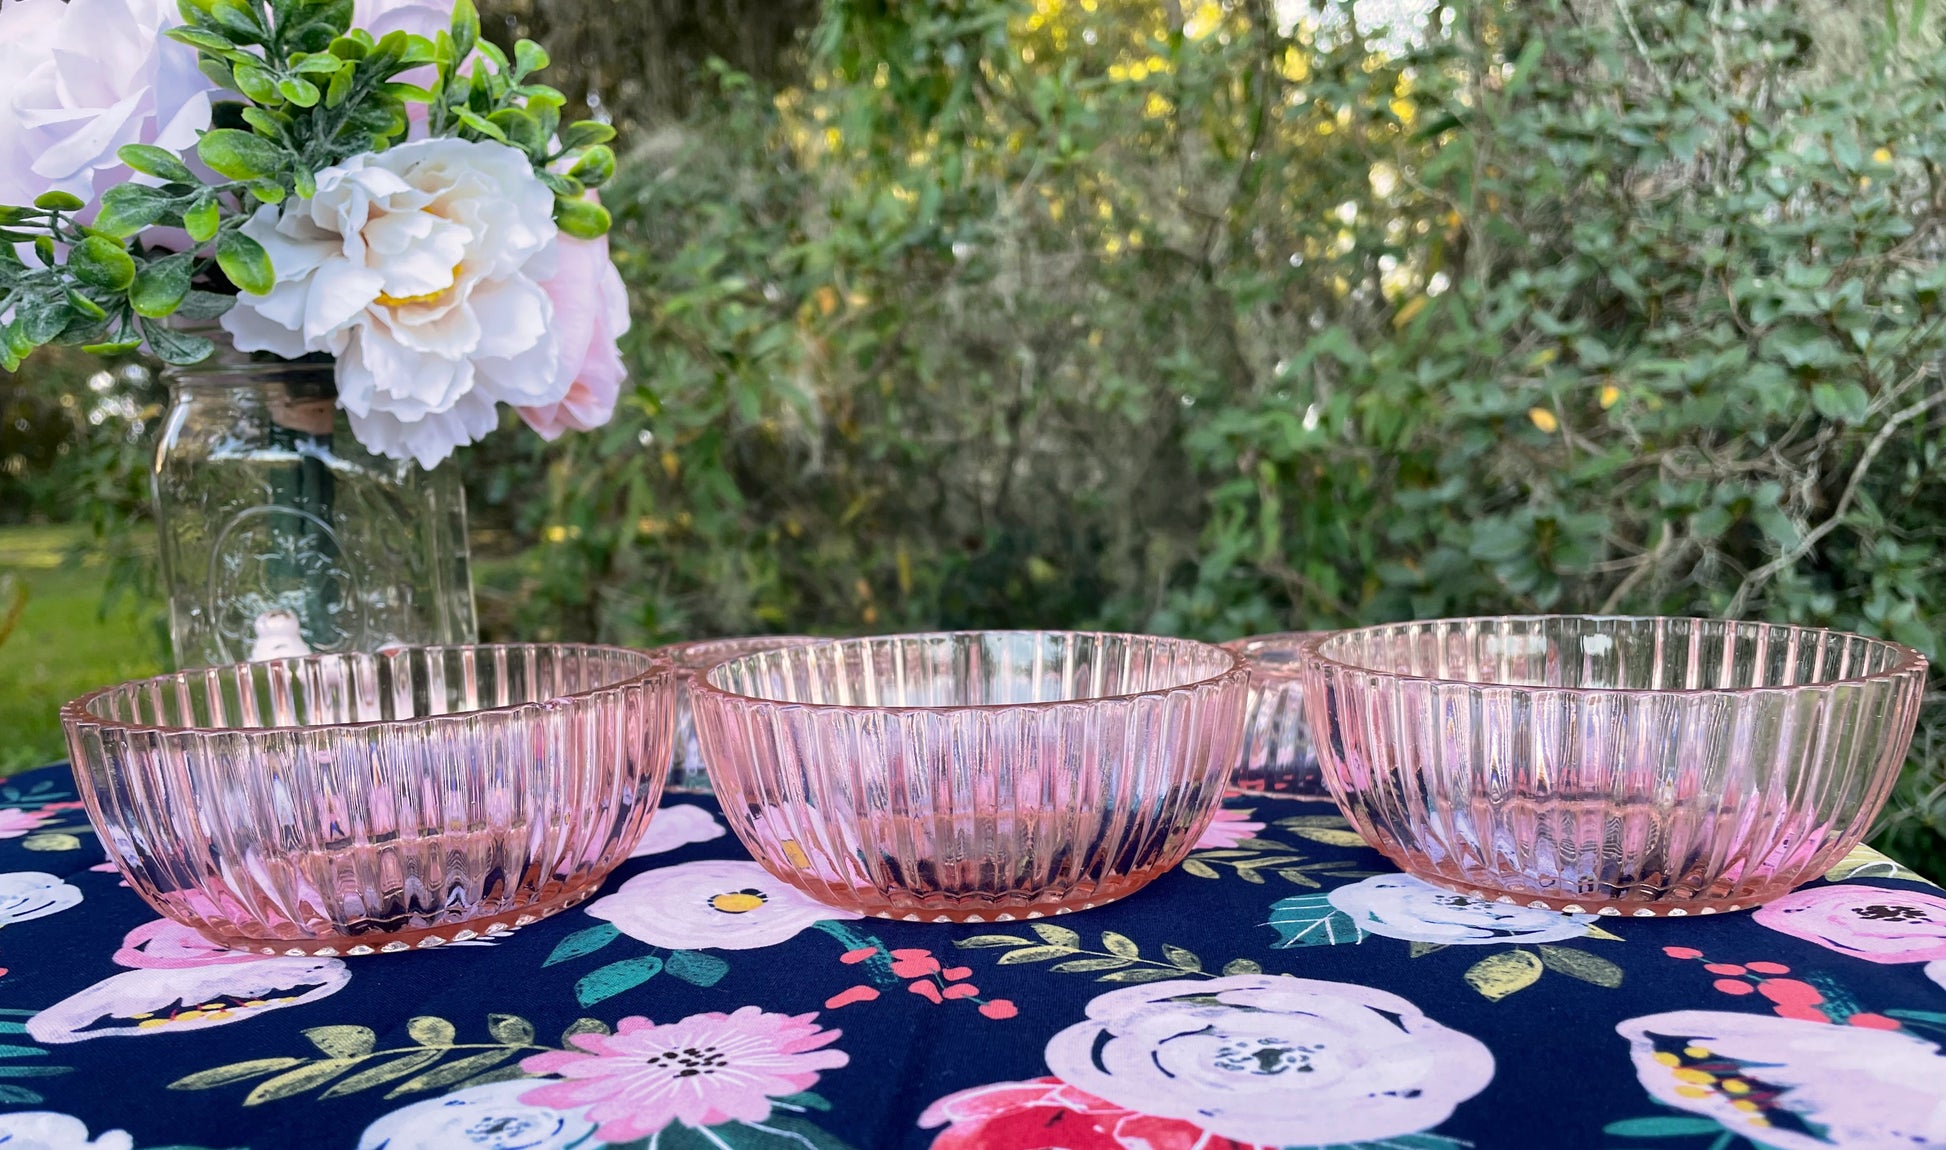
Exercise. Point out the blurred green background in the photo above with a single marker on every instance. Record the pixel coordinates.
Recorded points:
(1199, 318)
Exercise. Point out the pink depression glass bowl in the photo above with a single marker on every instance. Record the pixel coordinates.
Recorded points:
(972, 777)
(689, 775)
(345, 804)
(1277, 756)
(1619, 766)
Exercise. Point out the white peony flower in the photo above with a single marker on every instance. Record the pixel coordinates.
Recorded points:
(1400, 906)
(491, 1117)
(82, 78)
(420, 269)
(713, 904)
(1273, 1061)
(46, 1130)
(1794, 1085)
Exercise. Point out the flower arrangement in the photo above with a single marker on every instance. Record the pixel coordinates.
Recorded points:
(374, 182)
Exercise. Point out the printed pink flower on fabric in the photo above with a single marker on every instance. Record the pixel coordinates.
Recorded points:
(15, 822)
(1227, 830)
(1049, 1112)
(1876, 924)
(590, 314)
(704, 1070)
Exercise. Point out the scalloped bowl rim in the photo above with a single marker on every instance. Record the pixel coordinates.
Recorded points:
(1909, 660)
(1239, 667)
(75, 711)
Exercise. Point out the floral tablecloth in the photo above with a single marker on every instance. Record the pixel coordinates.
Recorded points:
(1282, 988)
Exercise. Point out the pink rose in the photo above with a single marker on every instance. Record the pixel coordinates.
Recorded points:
(590, 314)
(1873, 923)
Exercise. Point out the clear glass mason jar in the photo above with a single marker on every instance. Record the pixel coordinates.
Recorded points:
(281, 534)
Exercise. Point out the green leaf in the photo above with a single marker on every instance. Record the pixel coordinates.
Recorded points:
(520, 129)
(1120, 944)
(1087, 965)
(511, 1029)
(529, 58)
(239, 155)
(299, 91)
(128, 208)
(202, 220)
(1311, 920)
(120, 347)
(430, 1030)
(160, 286)
(205, 305)
(42, 317)
(582, 219)
(319, 64)
(342, 1041)
(59, 202)
(103, 263)
(696, 968)
(1181, 959)
(379, 1075)
(17, 1071)
(980, 941)
(563, 186)
(339, 88)
(1661, 1126)
(218, 72)
(1582, 965)
(595, 166)
(1139, 974)
(451, 1072)
(1199, 868)
(1238, 966)
(608, 981)
(465, 30)
(1056, 935)
(269, 123)
(1499, 975)
(1330, 836)
(200, 38)
(258, 84)
(294, 1082)
(161, 163)
(481, 125)
(174, 347)
(1034, 954)
(582, 942)
(582, 133)
(93, 310)
(267, 191)
(246, 263)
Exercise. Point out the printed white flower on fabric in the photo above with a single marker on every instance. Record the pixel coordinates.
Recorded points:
(149, 1002)
(1790, 1084)
(1273, 1061)
(420, 269)
(30, 894)
(46, 1130)
(80, 79)
(722, 904)
(676, 825)
(491, 1117)
(1400, 906)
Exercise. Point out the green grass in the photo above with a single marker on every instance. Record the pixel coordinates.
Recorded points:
(62, 646)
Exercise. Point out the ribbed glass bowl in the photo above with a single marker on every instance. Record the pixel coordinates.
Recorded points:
(689, 775)
(1277, 756)
(342, 804)
(1611, 765)
(976, 776)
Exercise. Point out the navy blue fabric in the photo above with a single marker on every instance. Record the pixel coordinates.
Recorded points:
(1258, 900)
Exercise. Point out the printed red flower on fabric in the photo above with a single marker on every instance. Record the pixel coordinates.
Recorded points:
(1048, 1112)
(704, 1070)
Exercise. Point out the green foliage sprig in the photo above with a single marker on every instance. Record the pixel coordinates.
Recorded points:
(314, 92)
